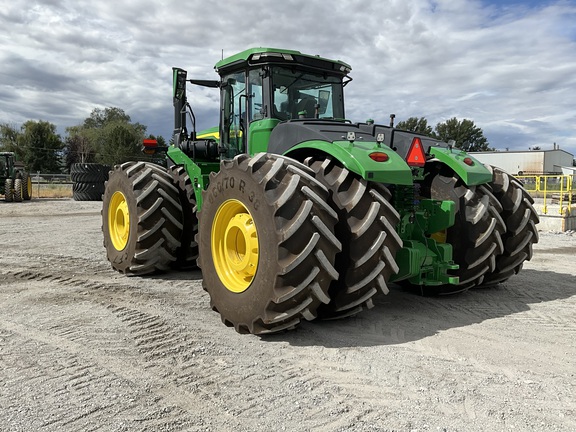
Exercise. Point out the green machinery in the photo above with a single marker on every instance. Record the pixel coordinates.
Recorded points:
(15, 182)
(294, 213)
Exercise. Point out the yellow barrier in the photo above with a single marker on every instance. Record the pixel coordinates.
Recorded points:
(551, 188)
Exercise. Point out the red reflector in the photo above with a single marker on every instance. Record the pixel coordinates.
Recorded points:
(379, 156)
(416, 156)
(468, 161)
(150, 143)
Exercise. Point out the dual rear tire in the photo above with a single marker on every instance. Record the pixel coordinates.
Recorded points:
(18, 189)
(494, 230)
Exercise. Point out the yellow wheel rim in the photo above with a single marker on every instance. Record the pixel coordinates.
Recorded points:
(234, 240)
(118, 220)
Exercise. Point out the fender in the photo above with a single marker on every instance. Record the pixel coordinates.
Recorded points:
(355, 157)
(472, 173)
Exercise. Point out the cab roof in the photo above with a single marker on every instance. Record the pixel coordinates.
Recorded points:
(256, 56)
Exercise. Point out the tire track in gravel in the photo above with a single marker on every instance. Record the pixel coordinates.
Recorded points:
(96, 366)
(65, 385)
(152, 338)
(182, 368)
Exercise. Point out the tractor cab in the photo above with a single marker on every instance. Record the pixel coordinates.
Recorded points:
(259, 88)
(6, 164)
(262, 87)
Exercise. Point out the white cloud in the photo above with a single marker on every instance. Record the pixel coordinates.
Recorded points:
(508, 66)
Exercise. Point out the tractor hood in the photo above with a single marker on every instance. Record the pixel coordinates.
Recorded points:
(293, 132)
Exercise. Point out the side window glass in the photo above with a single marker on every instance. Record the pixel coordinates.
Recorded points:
(255, 96)
(234, 118)
(281, 107)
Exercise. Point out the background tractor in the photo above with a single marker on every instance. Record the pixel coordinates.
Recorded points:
(15, 182)
(294, 213)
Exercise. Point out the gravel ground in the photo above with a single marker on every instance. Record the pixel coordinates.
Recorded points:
(83, 348)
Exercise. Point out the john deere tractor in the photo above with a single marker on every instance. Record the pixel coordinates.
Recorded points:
(294, 213)
(15, 182)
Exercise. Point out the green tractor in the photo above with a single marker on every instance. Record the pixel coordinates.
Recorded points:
(15, 182)
(294, 213)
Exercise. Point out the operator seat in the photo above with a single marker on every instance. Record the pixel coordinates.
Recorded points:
(308, 105)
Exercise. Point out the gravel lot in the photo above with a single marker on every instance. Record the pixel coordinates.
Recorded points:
(83, 348)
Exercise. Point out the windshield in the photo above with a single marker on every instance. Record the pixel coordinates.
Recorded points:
(300, 94)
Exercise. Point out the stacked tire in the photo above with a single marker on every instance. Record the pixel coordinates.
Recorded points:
(88, 181)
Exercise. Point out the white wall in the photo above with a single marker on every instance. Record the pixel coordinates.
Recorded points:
(528, 162)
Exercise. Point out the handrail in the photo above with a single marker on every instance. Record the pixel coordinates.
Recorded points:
(550, 186)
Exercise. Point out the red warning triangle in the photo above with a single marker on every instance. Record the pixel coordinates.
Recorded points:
(416, 156)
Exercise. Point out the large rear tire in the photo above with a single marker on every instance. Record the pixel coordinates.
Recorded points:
(187, 254)
(141, 218)
(9, 190)
(18, 194)
(520, 219)
(366, 229)
(476, 234)
(266, 242)
(26, 187)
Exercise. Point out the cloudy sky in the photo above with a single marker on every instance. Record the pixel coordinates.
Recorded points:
(508, 65)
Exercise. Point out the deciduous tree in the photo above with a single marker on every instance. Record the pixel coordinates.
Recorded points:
(415, 124)
(465, 133)
(40, 146)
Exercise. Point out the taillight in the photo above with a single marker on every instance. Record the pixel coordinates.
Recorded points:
(150, 146)
(468, 161)
(416, 156)
(379, 156)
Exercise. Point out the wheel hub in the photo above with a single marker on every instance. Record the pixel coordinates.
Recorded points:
(119, 220)
(235, 246)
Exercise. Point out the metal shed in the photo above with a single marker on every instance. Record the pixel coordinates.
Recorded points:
(528, 162)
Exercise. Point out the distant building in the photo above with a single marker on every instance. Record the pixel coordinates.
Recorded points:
(534, 162)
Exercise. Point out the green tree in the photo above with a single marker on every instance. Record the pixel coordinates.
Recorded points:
(120, 142)
(415, 124)
(465, 133)
(101, 117)
(79, 146)
(40, 146)
(161, 140)
(108, 136)
(9, 138)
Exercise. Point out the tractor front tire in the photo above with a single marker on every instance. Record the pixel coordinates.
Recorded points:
(520, 219)
(141, 218)
(9, 190)
(366, 229)
(266, 243)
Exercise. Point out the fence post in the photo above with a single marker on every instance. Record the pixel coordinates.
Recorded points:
(545, 209)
